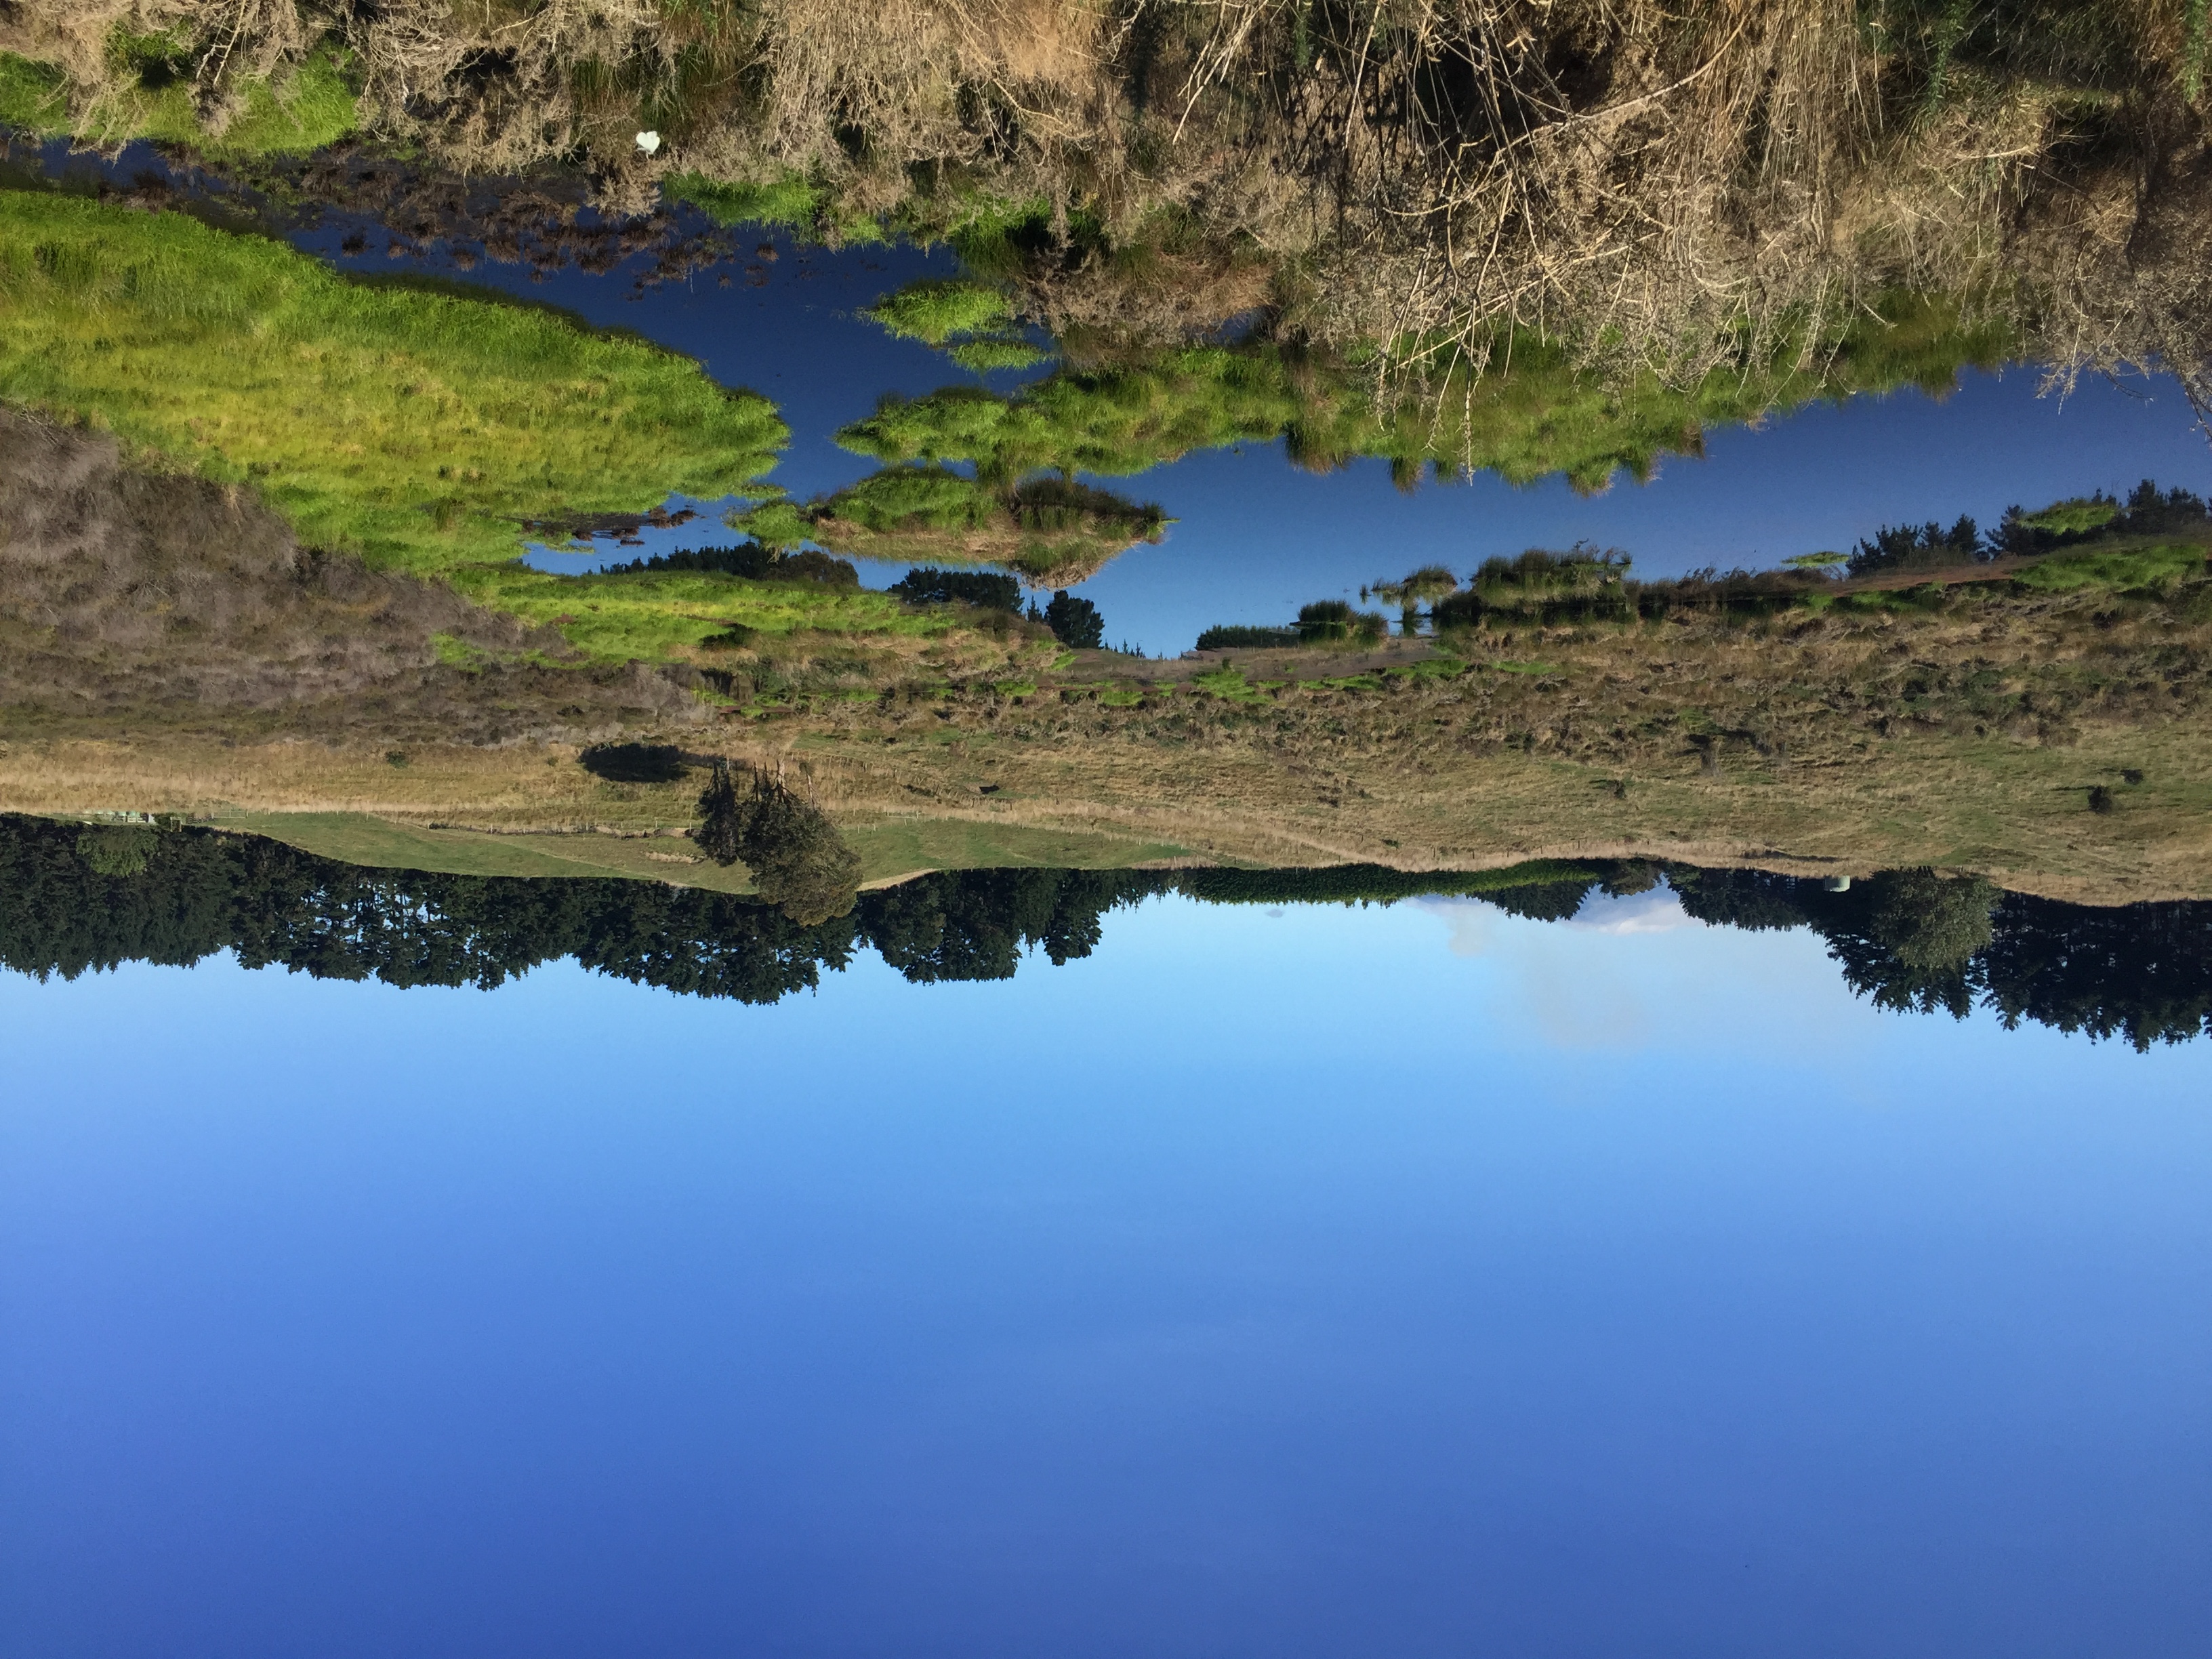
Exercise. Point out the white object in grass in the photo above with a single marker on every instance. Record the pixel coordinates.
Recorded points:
(648, 142)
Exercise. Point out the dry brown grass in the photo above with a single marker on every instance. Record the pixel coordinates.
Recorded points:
(1968, 736)
(1655, 181)
(131, 601)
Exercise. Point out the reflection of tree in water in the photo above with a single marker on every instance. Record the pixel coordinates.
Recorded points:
(70, 902)
(200, 892)
(1913, 941)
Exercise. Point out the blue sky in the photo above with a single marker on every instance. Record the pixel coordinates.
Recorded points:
(1413, 1280)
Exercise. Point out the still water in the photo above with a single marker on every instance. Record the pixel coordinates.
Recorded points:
(1281, 1281)
(1254, 537)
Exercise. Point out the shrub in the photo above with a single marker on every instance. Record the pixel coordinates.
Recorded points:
(122, 850)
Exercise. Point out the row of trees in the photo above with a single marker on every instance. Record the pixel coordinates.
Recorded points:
(1587, 584)
(73, 901)
(2148, 511)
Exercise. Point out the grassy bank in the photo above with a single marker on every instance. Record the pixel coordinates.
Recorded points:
(1532, 410)
(417, 428)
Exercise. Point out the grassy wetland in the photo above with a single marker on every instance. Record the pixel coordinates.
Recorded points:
(263, 520)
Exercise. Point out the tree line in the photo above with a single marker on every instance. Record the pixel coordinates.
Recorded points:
(75, 900)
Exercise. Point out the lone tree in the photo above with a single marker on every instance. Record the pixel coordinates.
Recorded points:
(1075, 622)
(800, 863)
(1933, 923)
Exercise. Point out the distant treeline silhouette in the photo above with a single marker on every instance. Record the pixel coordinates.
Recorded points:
(75, 900)
(2148, 511)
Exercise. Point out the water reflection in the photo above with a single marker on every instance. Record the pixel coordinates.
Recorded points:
(75, 900)
(1223, 481)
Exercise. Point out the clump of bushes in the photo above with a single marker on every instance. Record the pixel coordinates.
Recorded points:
(2148, 511)
(1326, 620)
(1582, 583)
(1920, 547)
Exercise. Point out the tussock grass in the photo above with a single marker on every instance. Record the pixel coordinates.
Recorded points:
(416, 428)
(1050, 531)
(1534, 413)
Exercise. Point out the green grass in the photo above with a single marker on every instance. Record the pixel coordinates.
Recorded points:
(935, 312)
(889, 847)
(416, 428)
(2076, 516)
(973, 324)
(303, 108)
(659, 614)
(791, 201)
(381, 844)
(2120, 570)
(1539, 416)
(34, 97)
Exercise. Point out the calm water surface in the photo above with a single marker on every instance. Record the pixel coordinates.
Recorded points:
(1256, 537)
(1417, 1279)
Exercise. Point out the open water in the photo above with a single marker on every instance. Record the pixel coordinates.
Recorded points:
(1254, 537)
(1267, 1279)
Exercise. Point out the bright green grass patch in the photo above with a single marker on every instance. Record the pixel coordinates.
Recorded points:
(1533, 414)
(1231, 686)
(981, 357)
(301, 109)
(662, 614)
(2118, 569)
(934, 312)
(2075, 516)
(416, 428)
(791, 201)
(973, 323)
(34, 97)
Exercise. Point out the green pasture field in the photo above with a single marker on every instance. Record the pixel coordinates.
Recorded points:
(889, 847)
